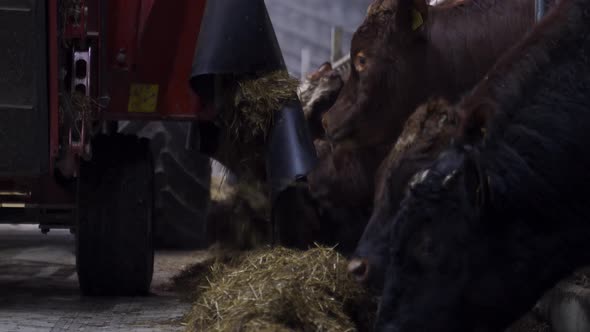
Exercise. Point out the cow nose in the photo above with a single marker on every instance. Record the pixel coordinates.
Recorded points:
(359, 268)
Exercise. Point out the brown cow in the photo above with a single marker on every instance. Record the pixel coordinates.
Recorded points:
(400, 61)
(451, 67)
(335, 204)
(342, 186)
(406, 51)
(443, 74)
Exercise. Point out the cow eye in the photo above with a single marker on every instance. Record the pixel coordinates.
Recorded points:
(424, 250)
(360, 62)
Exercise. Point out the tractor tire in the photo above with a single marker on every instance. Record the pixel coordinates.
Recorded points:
(182, 177)
(114, 237)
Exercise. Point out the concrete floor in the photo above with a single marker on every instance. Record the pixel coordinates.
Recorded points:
(39, 289)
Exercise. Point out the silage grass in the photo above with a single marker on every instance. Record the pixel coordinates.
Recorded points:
(278, 289)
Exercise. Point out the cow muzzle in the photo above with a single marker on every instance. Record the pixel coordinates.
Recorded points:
(359, 269)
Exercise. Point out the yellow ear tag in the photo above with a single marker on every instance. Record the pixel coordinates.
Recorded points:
(417, 20)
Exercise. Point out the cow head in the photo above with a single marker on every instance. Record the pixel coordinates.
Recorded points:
(462, 256)
(426, 133)
(435, 262)
(387, 64)
(436, 254)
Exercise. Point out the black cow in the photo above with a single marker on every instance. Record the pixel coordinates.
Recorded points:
(504, 213)
(426, 133)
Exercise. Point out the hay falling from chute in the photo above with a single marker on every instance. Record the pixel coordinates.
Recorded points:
(246, 107)
(254, 101)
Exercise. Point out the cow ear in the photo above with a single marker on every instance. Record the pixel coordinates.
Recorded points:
(411, 15)
(325, 67)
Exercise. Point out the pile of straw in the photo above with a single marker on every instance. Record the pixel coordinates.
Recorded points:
(280, 290)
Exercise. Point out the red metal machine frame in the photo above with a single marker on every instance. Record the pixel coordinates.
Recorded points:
(150, 48)
(142, 53)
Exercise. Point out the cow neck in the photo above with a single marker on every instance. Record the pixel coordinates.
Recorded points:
(503, 86)
(467, 38)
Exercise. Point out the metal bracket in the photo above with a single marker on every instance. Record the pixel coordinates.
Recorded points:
(81, 71)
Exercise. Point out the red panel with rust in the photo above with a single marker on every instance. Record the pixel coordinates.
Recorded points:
(159, 38)
(47, 191)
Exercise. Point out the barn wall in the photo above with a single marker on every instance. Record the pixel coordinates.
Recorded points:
(307, 24)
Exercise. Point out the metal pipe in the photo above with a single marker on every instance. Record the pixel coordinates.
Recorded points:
(305, 62)
(539, 10)
(336, 44)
